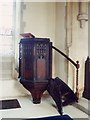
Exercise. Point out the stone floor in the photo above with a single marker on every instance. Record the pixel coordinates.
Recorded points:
(45, 108)
(84, 105)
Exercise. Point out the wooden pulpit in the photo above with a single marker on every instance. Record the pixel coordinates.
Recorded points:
(35, 65)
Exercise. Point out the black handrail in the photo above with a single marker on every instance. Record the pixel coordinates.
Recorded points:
(75, 64)
(65, 56)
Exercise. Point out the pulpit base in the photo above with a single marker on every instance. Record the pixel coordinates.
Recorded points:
(35, 88)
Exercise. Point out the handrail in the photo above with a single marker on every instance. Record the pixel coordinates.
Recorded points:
(75, 64)
(65, 56)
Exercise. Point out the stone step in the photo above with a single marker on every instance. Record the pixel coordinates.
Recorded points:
(84, 105)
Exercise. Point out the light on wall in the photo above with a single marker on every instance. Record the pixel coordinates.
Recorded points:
(83, 15)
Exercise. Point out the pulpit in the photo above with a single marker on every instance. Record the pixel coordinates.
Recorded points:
(35, 65)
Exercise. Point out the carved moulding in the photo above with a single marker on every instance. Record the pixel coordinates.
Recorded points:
(83, 15)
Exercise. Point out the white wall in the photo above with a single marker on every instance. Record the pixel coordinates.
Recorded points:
(60, 42)
(39, 19)
(78, 49)
(89, 28)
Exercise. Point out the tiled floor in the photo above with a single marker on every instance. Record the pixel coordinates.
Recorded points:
(45, 108)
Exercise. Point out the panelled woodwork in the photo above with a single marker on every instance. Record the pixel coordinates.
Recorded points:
(35, 65)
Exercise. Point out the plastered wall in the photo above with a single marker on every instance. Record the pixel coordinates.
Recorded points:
(78, 49)
(60, 63)
(39, 19)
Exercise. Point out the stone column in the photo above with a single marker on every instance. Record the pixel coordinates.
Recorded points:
(83, 13)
